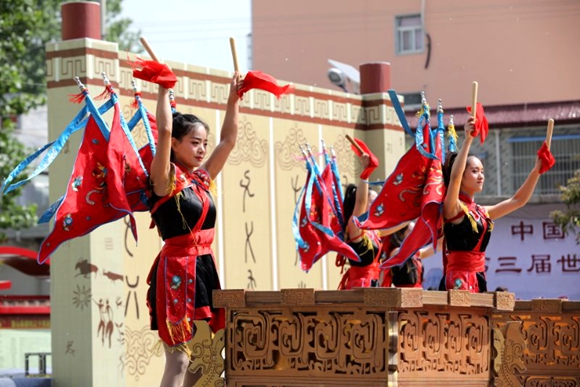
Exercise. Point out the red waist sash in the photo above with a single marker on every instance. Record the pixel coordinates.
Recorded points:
(192, 244)
(466, 261)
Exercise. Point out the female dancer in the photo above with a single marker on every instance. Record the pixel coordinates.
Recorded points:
(366, 243)
(468, 226)
(184, 274)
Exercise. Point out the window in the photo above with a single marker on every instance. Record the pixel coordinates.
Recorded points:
(565, 149)
(409, 34)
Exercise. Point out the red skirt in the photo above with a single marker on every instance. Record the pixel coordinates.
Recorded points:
(181, 282)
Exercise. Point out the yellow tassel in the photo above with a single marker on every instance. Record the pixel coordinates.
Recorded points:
(171, 184)
(452, 132)
(469, 216)
(177, 198)
(213, 188)
(490, 226)
(156, 349)
(366, 241)
(179, 330)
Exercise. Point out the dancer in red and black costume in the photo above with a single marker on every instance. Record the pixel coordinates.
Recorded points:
(184, 273)
(410, 273)
(468, 226)
(366, 243)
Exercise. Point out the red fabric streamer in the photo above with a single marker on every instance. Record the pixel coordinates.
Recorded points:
(154, 72)
(373, 163)
(263, 81)
(481, 125)
(546, 158)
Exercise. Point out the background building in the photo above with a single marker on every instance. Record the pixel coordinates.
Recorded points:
(521, 53)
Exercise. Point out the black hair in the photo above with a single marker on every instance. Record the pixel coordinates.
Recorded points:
(348, 203)
(183, 124)
(446, 168)
(398, 237)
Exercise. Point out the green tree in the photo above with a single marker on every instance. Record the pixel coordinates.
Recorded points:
(570, 219)
(25, 28)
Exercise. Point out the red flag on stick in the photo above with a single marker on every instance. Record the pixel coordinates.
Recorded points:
(374, 161)
(155, 72)
(263, 81)
(481, 124)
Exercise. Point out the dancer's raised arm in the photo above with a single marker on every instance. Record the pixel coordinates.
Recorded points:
(229, 132)
(520, 198)
(160, 166)
(451, 204)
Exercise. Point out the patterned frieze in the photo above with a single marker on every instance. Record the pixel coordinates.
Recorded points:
(198, 86)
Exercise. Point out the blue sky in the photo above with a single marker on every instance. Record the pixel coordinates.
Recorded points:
(194, 31)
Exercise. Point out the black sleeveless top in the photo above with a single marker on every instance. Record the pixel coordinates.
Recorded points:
(461, 237)
(170, 217)
(367, 256)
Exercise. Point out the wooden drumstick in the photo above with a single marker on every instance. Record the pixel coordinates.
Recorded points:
(234, 54)
(357, 146)
(473, 98)
(148, 48)
(549, 133)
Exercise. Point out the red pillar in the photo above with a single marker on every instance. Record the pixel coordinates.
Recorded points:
(81, 19)
(375, 77)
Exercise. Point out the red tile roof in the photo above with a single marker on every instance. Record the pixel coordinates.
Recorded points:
(515, 116)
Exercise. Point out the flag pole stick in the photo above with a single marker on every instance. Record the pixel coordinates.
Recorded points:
(549, 132)
(358, 148)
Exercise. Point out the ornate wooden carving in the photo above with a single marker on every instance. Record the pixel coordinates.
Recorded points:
(505, 301)
(297, 296)
(459, 298)
(321, 342)
(229, 299)
(547, 306)
(552, 353)
(434, 343)
(509, 346)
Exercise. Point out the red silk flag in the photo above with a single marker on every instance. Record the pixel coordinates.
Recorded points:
(322, 214)
(546, 158)
(138, 197)
(481, 124)
(86, 202)
(263, 81)
(400, 199)
(429, 226)
(124, 172)
(373, 163)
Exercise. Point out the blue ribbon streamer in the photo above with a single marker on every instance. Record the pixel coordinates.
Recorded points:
(79, 122)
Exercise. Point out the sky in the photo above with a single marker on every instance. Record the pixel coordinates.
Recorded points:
(194, 31)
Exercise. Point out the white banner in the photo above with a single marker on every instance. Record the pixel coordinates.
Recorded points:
(529, 255)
